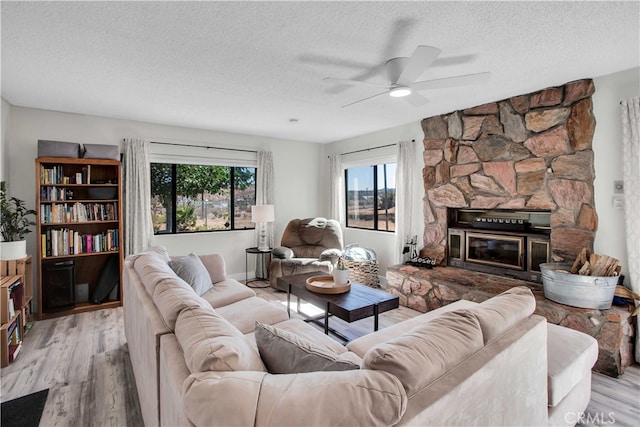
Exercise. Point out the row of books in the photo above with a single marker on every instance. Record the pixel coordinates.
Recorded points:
(53, 194)
(78, 212)
(13, 332)
(12, 297)
(62, 242)
(55, 175)
(14, 340)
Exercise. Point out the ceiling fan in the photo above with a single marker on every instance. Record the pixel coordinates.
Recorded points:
(403, 72)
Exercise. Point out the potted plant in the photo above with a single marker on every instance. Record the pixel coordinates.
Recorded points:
(14, 226)
(340, 272)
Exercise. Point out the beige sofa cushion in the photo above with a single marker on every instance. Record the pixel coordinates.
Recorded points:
(244, 314)
(222, 398)
(285, 353)
(502, 312)
(570, 356)
(152, 267)
(173, 295)
(361, 345)
(214, 263)
(345, 398)
(227, 292)
(430, 350)
(210, 343)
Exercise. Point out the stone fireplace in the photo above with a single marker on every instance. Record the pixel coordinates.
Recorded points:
(526, 152)
(526, 155)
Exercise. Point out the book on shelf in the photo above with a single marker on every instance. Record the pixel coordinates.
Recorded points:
(56, 213)
(13, 332)
(55, 175)
(14, 349)
(12, 309)
(65, 242)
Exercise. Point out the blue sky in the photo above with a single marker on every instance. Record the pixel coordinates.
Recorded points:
(364, 177)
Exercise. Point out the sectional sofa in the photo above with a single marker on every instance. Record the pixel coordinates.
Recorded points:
(201, 360)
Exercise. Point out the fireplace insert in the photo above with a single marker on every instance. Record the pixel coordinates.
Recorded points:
(505, 242)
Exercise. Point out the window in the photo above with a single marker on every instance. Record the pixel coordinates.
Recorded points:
(187, 198)
(371, 197)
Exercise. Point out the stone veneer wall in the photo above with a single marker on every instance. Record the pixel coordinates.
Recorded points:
(530, 151)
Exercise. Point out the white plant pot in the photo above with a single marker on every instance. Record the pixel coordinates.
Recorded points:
(13, 250)
(340, 277)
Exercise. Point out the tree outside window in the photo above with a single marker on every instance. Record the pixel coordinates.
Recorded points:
(188, 198)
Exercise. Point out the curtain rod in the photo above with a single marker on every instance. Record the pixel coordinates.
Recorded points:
(371, 148)
(200, 146)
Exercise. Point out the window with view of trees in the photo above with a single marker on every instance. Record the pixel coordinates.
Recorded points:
(371, 197)
(187, 198)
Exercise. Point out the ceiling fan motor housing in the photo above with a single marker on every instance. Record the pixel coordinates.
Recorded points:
(394, 68)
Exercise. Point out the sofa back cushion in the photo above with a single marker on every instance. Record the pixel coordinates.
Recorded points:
(215, 265)
(347, 398)
(152, 267)
(173, 295)
(499, 314)
(331, 398)
(211, 343)
(425, 352)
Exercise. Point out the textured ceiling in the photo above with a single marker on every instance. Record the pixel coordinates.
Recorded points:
(250, 67)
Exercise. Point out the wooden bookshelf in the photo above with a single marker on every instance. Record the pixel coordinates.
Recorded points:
(79, 219)
(12, 297)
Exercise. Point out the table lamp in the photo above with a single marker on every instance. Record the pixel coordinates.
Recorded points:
(261, 215)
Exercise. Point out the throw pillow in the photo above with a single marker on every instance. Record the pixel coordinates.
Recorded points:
(190, 269)
(285, 353)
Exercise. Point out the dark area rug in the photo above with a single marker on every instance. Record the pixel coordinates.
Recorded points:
(24, 411)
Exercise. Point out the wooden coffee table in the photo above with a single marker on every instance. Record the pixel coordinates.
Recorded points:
(360, 302)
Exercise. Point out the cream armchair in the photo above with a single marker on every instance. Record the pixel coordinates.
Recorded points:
(310, 244)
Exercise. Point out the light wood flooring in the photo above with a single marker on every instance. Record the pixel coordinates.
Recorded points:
(84, 361)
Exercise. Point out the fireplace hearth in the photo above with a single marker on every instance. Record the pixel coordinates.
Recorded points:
(511, 243)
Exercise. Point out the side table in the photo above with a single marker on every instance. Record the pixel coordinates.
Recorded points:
(261, 256)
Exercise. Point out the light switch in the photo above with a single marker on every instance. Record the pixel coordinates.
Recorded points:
(618, 202)
(618, 187)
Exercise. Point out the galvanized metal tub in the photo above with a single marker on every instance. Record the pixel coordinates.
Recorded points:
(576, 290)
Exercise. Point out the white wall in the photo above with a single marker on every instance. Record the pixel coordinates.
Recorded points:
(380, 241)
(4, 163)
(296, 170)
(607, 148)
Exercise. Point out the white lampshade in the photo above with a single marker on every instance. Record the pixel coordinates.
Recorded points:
(262, 213)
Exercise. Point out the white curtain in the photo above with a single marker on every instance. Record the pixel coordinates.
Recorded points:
(630, 113)
(264, 188)
(336, 188)
(138, 229)
(405, 173)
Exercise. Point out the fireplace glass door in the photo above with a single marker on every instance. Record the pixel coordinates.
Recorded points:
(496, 250)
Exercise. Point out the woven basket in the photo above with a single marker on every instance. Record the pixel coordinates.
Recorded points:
(364, 272)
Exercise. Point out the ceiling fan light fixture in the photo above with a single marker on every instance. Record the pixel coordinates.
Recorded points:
(400, 91)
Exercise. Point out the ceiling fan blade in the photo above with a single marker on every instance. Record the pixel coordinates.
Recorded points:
(467, 79)
(416, 99)
(421, 59)
(354, 82)
(364, 99)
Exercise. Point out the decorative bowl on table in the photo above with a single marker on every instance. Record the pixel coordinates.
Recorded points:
(326, 285)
